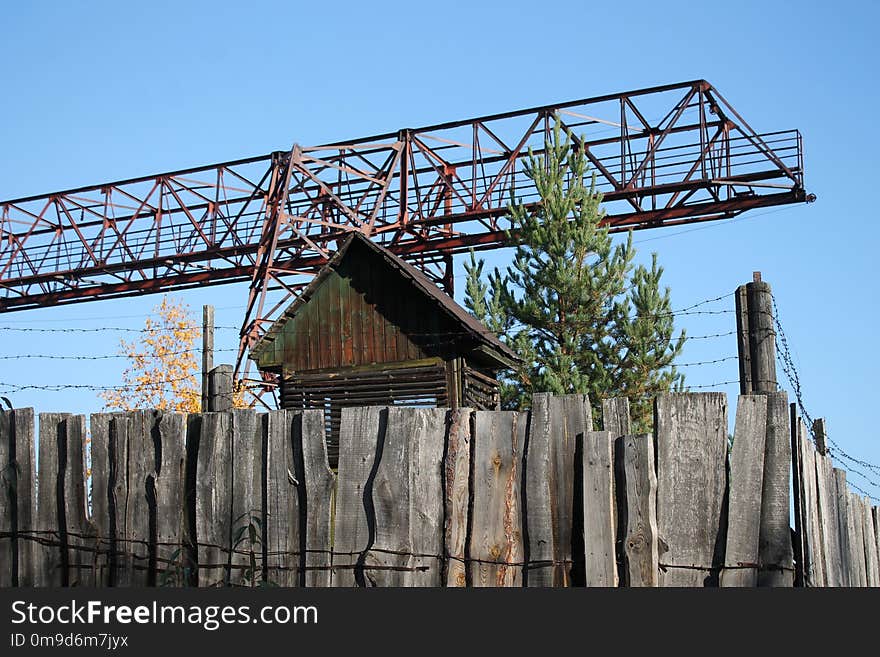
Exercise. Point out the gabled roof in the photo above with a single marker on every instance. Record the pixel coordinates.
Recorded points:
(470, 325)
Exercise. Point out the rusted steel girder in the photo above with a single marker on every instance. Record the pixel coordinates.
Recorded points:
(661, 156)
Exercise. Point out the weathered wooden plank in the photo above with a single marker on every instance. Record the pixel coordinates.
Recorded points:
(426, 429)
(391, 496)
(636, 487)
(119, 559)
(407, 501)
(457, 468)
(872, 565)
(82, 556)
(855, 529)
(814, 566)
(17, 499)
(50, 563)
(691, 432)
(25, 455)
(169, 435)
(841, 494)
(875, 515)
(317, 505)
(213, 499)
(635, 482)
(829, 528)
(540, 489)
(136, 537)
(99, 430)
(776, 556)
(744, 497)
(8, 503)
(615, 416)
(246, 499)
(799, 537)
(496, 546)
(576, 416)
(600, 563)
(361, 435)
(282, 514)
(556, 422)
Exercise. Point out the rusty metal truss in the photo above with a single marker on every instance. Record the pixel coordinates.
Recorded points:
(662, 156)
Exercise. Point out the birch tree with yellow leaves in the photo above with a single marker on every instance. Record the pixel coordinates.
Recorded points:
(163, 369)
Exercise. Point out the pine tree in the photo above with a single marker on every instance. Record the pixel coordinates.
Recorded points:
(572, 304)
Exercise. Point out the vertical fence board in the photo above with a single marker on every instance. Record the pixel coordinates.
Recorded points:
(282, 511)
(319, 486)
(246, 498)
(577, 418)
(457, 468)
(141, 465)
(555, 424)
(744, 501)
(119, 563)
(496, 538)
(871, 563)
(48, 562)
(17, 497)
(8, 503)
(82, 558)
(775, 539)
(828, 520)
(875, 514)
(26, 473)
(213, 499)
(691, 434)
(391, 494)
(99, 429)
(600, 563)
(856, 540)
(427, 433)
(540, 488)
(814, 566)
(843, 535)
(615, 416)
(170, 437)
(636, 486)
(361, 436)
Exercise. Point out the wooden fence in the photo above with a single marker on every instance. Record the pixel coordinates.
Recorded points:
(427, 497)
(838, 530)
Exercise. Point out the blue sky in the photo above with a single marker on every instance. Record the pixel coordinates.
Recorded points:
(104, 91)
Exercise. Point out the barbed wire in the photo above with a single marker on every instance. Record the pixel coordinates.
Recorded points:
(12, 387)
(101, 329)
(106, 356)
(784, 356)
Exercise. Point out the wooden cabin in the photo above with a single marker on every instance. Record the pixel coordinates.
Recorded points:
(371, 329)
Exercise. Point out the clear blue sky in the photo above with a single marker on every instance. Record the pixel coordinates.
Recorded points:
(103, 91)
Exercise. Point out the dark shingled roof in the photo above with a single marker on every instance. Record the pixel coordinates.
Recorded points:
(468, 322)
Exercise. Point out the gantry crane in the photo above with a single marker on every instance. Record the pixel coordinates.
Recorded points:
(662, 156)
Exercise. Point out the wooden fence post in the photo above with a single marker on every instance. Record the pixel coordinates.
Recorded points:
(220, 389)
